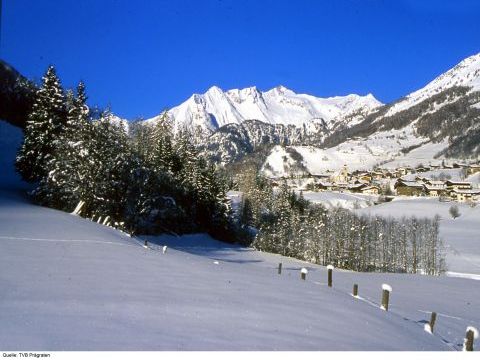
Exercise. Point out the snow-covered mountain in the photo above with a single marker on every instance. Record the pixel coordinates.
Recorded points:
(440, 120)
(466, 73)
(278, 106)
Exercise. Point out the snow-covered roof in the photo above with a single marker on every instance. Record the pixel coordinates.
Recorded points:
(450, 182)
(467, 192)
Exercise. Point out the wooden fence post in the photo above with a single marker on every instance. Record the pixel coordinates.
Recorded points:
(433, 318)
(472, 334)
(387, 289)
(355, 290)
(279, 268)
(303, 273)
(330, 272)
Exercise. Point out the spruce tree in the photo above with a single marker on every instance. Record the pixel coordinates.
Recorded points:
(64, 186)
(162, 155)
(44, 125)
(108, 170)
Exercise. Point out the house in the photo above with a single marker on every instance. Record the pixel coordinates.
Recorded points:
(458, 185)
(465, 195)
(357, 187)
(435, 183)
(404, 171)
(390, 174)
(376, 175)
(371, 190)
(408, 188)
(434, 190)
(323, 186)
(364, 177)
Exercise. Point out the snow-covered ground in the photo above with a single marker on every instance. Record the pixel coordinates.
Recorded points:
(72, 284)
(345, 200)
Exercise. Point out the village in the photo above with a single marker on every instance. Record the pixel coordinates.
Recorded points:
(402, 181)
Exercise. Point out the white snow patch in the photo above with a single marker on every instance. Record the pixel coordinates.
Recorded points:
(387, 287)
(475, 331)
(463, 275)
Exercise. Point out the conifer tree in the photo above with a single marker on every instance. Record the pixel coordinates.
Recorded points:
(162, 155)
(44, 125)
(64, 186)
(108, 170)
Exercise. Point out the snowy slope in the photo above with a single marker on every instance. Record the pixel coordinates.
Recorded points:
(216, 108)
(359, 154)
(466, 73)
(76, 285)
(333, 199)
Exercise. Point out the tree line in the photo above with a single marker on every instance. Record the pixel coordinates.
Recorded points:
(289, 225)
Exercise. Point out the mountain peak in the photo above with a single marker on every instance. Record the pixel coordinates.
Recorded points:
(214, 90)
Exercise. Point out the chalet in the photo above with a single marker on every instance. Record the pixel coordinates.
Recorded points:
(434, 190)
(376, 175)
(364, 176)
(357, 187)
(438, 183)
(390, 174)
(371, 190)
(465, 195)
(458, 185)
(404, 170)
(408, 188)
(324, 186)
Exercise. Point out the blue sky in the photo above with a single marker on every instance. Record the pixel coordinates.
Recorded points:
(142, 56)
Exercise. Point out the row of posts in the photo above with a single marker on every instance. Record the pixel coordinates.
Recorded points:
(386, 290)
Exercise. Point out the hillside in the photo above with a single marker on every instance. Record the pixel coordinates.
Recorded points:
(65, 279)
(16, 95)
